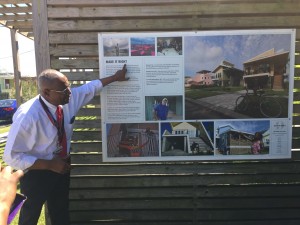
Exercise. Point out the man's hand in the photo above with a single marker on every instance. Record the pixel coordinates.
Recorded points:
(59, 165)
(120, 74)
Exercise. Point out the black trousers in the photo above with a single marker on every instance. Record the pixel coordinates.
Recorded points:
(42, 186)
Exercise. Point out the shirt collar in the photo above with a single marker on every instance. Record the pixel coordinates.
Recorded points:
(51, 107)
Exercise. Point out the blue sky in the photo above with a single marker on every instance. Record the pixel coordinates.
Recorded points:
(246, 126)
(207, 52)
(143, 40)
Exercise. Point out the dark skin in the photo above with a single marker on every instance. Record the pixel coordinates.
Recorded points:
(51, 81)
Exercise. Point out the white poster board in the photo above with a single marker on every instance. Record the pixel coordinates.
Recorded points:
(212, 95)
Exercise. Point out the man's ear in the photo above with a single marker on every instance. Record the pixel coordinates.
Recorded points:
(46, 92)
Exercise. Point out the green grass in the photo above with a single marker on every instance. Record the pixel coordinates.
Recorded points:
(2, 146)
(4, 129)
(203, 92)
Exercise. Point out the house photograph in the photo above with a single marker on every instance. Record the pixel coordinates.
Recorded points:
(239, 137)
(186, 139)
(233, 65)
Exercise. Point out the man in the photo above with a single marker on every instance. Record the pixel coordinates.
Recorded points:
(39, 144)
(161, 110)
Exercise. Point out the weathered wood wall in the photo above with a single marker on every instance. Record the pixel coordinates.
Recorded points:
(165, 193)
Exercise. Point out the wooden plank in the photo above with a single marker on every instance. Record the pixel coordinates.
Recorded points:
(296, 120)
(297, 57)
(296, 95)
(20, 24)
(16, 17)
(165, 24)
(41, 41)
(149, 2)
(209, 191)
(97, 222)
(83, 152)
(84, 158)
(89, 112)
(187, 214)
(193, 222)
(86, 135)
(208, 9)
(296, 108)
(146, 180)
(296, 143)
(9, 10)
(70, 51)
(85, 147)
(82, 75)
(189, 168)
(296, 131)
(91, 63)
(74, 38)
(3, 2)
(120, 215)
(297, 72)
(92, 38)
(100, 204)
(177, 202)
(96, 123)
(296, 83)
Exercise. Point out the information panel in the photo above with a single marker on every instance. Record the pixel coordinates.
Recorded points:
(209, 95)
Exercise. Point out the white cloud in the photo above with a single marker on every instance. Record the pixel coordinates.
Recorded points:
(205, 53)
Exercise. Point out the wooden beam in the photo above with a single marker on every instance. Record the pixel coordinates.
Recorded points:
(16, 61)
(3, 2)
(16, 17)
(20, 24)
(16, 10)
(40, 30)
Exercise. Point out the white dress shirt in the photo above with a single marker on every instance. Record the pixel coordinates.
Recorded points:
(32, 136)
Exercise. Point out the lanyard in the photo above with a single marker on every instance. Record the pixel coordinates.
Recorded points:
(60, 127)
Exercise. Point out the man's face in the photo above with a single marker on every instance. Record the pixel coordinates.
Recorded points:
(60, 92)
(164, 102)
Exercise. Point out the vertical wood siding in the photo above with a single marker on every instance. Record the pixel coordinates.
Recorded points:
(168, 193)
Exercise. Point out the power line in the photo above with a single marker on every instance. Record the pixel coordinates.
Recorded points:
(6, 57)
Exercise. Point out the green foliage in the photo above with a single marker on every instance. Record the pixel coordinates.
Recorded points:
(29, 89)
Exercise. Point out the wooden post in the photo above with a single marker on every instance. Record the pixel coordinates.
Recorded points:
(16, 61)
(40, 31)
(41, 45)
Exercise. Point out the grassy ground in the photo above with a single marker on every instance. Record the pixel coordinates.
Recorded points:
(2, 146)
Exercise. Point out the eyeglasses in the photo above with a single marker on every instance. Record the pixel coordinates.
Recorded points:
(65, 91)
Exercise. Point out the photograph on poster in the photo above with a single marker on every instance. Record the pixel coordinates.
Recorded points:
(169, 46)
(132, 140)
(187, 139)
(163, 108)
(142, 46)
(248, 137)
(115, 47)
(237, 76)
